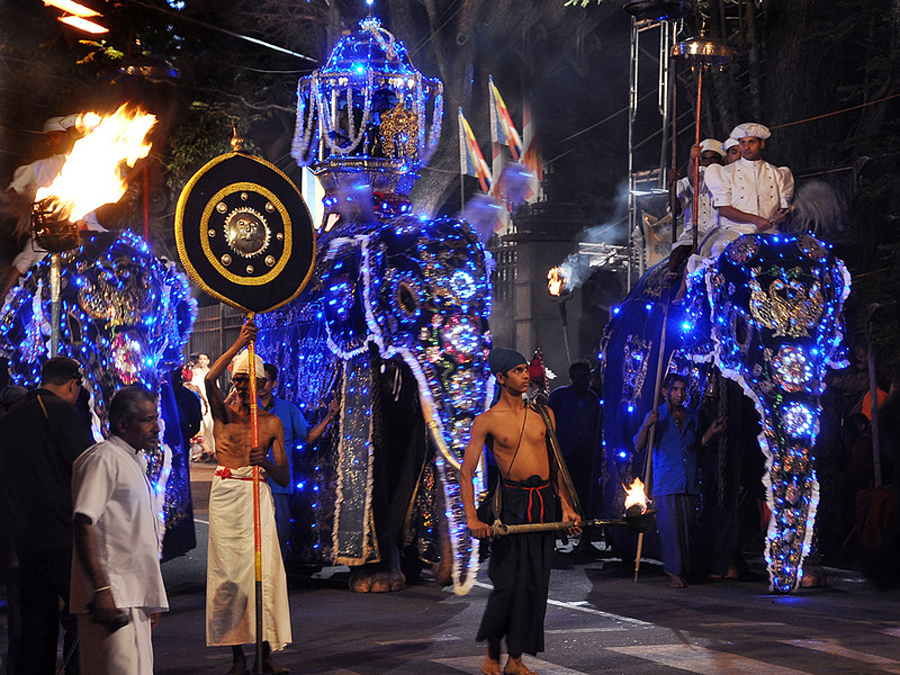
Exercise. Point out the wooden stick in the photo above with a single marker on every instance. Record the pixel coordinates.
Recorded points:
(257, 520)
(648, 473)
(499, 529)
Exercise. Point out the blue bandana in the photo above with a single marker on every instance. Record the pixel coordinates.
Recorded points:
(502, 360)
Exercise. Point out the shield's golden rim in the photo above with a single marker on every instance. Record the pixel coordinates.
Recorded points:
(182, 250)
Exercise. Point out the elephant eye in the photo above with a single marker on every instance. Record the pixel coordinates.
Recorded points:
(406, 298)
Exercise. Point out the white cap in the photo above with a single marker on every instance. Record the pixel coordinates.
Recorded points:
(711, 144)
(728, 144)
(60, 123)
(241, 365)
(750, 129)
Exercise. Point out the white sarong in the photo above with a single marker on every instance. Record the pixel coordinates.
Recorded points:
(231, 575)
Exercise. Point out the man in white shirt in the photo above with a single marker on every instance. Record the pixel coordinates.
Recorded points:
(708, 152)
(751, 194)
(117, 586)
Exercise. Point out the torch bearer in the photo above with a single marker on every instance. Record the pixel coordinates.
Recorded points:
(556, 284)
(701, 53)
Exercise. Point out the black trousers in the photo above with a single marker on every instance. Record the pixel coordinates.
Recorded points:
(520, 570)
(45, 580)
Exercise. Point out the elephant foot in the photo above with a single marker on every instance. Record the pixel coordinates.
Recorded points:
(365, 579)
(814, 577)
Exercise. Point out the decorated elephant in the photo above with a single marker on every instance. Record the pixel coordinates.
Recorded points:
(125, 316)
(393, 324)
(766, 315)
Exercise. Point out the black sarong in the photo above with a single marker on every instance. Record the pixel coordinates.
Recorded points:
(520, 569)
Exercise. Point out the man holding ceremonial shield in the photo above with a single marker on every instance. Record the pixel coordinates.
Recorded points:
(230, 572)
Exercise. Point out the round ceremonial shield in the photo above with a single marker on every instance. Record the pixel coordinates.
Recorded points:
(244, 233)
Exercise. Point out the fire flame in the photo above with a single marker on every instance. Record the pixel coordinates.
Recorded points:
(92, 173)
(636, 496)
(555, 281)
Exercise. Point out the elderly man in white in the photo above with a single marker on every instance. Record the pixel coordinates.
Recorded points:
(750, 194)
(117, 586)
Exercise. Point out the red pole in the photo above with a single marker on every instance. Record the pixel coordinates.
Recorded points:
(257, 522)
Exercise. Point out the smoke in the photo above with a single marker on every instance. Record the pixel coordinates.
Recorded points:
(576, 268)
(818, 209)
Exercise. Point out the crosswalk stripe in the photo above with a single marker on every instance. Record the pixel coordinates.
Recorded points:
(835, 648)
(577, 607)
(702, 661)
(472, 665)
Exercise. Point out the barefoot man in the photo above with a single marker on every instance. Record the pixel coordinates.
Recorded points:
(530, 482)
(231, 576)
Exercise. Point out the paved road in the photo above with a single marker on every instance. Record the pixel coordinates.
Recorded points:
(598, 622)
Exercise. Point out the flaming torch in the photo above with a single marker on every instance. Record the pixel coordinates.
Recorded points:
(556, 284)
(91, 176)
(635, 499)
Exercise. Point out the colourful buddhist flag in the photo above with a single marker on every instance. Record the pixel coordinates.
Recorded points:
(471, 161)
(503, 131)
(532, 157)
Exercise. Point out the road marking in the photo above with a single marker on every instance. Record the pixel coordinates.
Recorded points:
(419, 641)
(570, 631)
(702, 661)
(472, 665)
(577, 607)
(893, 632)
(835, 648)
(741, 624)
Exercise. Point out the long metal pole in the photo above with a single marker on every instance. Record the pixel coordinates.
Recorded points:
(648, 472)
(695, 164)
(672, 196)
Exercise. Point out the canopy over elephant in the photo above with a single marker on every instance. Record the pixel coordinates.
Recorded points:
(766, 314)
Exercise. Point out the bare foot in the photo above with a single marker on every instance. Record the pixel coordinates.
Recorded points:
(677, 581)
(490, 666)
(516, 667)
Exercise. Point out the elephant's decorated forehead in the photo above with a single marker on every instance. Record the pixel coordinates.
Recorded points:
(787, 283)
(776, 302)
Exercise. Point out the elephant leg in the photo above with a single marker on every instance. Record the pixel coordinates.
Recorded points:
(397, 469)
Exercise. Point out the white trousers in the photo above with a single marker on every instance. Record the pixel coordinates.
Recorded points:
(128, 651)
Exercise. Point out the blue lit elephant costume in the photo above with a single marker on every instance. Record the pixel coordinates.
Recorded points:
(125, 317)
(767, 314)
(393, 323)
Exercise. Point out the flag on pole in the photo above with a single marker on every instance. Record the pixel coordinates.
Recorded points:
(503, 131)
(471, 161)
(532, 157)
